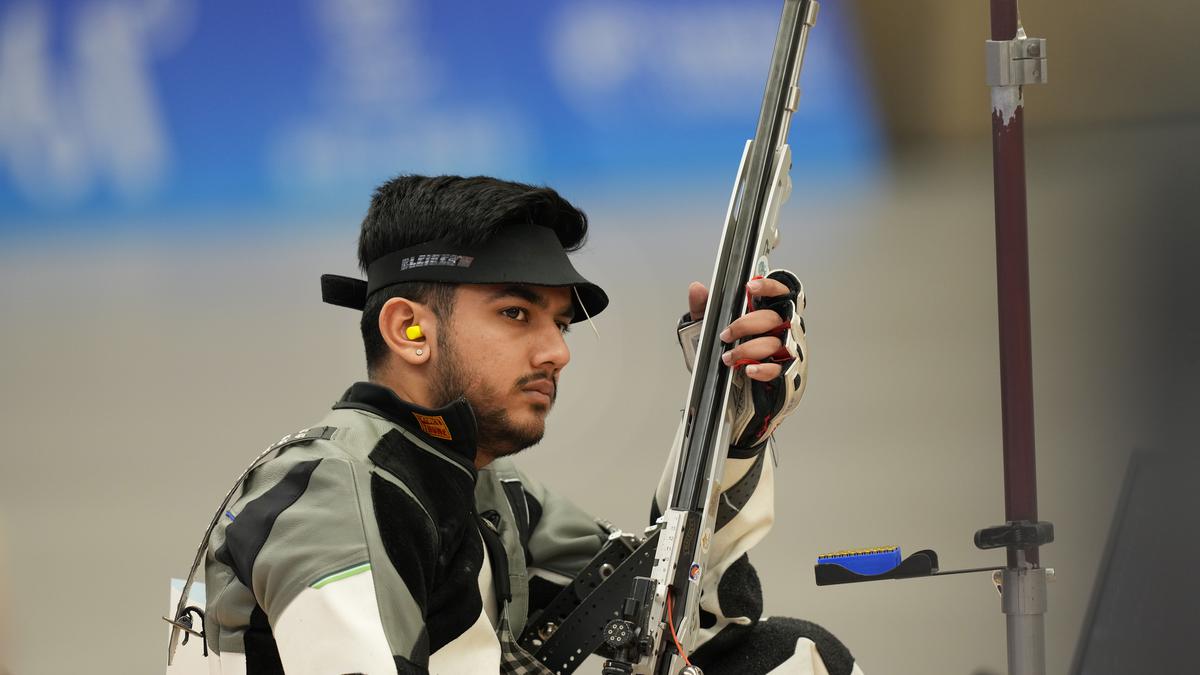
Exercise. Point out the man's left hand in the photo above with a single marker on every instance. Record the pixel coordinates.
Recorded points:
(772, 353)
(753, 325)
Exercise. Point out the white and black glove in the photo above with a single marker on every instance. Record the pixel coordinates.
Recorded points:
(770, 356)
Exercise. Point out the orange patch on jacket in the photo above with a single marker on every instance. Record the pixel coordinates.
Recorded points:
(434, 425)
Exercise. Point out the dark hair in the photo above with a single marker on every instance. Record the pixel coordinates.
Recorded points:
(410, 210)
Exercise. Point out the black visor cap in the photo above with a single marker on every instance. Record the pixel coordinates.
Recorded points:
(519, 254)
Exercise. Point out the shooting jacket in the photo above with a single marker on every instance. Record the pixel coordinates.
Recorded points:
(371, 544)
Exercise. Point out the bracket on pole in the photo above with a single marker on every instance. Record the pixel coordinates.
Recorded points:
(1016, 62)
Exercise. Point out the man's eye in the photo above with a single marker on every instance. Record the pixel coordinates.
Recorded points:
(515, 313)
(564, 328)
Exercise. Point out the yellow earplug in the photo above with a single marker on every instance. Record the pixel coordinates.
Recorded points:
(414, 332)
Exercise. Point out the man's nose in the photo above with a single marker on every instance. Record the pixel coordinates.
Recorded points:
(552, 350)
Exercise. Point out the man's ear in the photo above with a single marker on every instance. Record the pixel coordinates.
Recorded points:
(396, 318)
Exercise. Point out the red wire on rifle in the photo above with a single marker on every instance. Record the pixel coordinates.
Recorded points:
(674, 637)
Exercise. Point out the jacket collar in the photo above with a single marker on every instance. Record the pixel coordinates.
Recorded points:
(451, 427)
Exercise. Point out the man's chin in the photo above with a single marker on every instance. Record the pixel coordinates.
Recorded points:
(527, 435)
(509, 438)
(510, 429)
(514, 444)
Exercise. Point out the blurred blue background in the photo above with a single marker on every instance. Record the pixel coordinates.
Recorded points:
(168, 114)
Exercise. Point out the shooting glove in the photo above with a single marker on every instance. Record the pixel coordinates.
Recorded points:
(761, 406)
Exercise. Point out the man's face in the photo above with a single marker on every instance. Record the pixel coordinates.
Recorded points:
(503, 349)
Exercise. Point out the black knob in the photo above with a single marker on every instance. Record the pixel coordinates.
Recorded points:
(619, 633)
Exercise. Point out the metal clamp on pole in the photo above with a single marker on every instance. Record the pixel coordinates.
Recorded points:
(1018, 534)
(1016, 62)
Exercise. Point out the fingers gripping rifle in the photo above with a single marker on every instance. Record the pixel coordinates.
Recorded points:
(652, 617)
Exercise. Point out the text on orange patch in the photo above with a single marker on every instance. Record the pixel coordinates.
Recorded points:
(434, 425)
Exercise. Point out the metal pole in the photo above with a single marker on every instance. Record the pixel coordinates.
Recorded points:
(1012, 277)
(1023, 583)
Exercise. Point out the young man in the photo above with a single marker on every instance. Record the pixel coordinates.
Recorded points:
(396, 535)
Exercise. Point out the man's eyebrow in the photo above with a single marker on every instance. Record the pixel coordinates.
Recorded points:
(531, 296)
(523, 292)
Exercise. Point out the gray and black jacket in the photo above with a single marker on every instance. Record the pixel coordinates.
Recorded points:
(376, 546)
